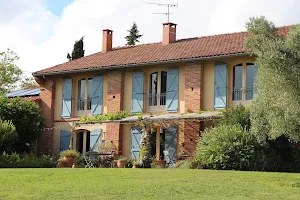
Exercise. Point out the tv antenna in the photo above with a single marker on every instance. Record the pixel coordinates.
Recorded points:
(164, 5)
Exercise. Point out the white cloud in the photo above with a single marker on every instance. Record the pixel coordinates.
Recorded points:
(42, 39)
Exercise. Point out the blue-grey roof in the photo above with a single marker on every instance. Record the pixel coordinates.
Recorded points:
(24, 93)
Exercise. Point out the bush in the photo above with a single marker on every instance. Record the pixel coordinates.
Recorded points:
(15, 160)
(229, 147)
(8, 137)
(67, 153)
(237, 116)
(26, 117)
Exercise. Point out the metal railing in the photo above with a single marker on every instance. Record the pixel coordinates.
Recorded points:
(237, 94)
(83, 104)
(156, 102)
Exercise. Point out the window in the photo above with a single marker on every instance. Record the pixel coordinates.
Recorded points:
(237, 82)
(153, 89)
(243, 81)
(81, 94)
(251, 70)
(84, 94)
(163, 87)
(158, 88)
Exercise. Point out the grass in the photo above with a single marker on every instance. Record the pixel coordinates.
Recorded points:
(146, 184)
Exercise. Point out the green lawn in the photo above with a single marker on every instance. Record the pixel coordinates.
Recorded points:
(146, 184)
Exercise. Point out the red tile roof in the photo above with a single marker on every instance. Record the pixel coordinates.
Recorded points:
(184, 49)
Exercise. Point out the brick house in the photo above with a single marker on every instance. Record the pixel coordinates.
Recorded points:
(171, 76)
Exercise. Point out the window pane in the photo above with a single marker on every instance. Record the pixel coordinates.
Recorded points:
(163, 87)
(153, 89)
(237, 82)
(250, 80)
(81, 89)
(81, 94)
(90, 94)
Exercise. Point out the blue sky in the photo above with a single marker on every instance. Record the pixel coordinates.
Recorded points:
(57, 6)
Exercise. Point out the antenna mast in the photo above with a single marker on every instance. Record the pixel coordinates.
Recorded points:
(164, 5)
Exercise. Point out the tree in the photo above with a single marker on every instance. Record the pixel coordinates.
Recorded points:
(10, 73)
(78, 50)
(133, 36)
(275, 111)
(26, 117)
(8, 137)
(28, 82)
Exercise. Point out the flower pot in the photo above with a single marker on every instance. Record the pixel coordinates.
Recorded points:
(61, 164)
(69, 160)
(135, 166)
(121, 163)
(160, 164)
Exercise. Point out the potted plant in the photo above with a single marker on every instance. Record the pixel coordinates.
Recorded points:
(135, 164)
(61, 163)
(121, 162)
(69, 157)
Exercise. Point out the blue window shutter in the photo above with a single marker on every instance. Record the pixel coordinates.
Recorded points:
(220, 86)
(65, 137)
(171, 142)
(97, 94)
(137, 102)
(136, 136)
(95, 139)
(172, 90)
(67, 98)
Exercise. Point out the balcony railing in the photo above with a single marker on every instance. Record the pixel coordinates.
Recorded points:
(156, 102)
(242, 96)
(83, 106)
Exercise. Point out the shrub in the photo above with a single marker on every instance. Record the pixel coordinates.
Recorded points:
(15, 160)
(8, 136)
(237, 116)
(27, 119)
(228, 147)
(67, 153)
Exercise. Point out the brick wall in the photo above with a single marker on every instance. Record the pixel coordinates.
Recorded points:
(191, 135)
(115, 91)
(115, 101)
(47, 96)
(114, 135)
(194, 87)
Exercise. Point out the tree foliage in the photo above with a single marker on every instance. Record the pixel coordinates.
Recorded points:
(276, 109)
(8, 137)
(10, 73)
(26, 117)
(227, 147)
(237, 116)
(28, 82)
(133, 36)
(78, 50)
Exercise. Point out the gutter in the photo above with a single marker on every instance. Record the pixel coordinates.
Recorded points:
(140, 64)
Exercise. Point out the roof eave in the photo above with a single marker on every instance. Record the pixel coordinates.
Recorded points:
(142, 64)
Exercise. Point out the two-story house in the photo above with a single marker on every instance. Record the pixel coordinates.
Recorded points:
(171, 76)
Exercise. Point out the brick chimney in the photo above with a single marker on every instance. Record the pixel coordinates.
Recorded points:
(169, 33)
(107, 40)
